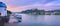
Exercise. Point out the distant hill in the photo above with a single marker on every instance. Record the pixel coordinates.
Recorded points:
(41, 12)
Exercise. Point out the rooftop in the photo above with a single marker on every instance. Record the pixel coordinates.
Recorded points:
(2, 4)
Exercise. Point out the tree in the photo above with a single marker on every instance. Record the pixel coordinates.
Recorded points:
(9, 12)
(8, 15)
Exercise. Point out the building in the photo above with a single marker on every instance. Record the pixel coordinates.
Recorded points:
(3, 10)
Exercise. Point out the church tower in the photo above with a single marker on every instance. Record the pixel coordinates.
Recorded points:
(3, 10)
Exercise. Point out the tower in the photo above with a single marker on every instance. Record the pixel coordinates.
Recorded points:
(3, 10)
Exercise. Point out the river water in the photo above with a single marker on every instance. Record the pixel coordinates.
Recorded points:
(41, 19)
(38, 20)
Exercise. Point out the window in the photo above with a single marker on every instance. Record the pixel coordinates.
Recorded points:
(4, 9)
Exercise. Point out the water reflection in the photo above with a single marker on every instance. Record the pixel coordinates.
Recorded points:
(41, 19)
(52, 19)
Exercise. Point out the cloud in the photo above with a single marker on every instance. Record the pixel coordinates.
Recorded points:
(31, 2)
(28, 4)
(54, 3)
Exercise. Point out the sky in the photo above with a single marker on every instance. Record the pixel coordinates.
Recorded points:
(20, 5)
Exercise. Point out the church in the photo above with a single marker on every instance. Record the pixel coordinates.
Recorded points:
(3, 9)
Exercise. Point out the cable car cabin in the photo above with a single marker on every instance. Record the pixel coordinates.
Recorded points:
(3, 13)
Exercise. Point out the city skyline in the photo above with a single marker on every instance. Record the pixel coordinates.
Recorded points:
(19, 5)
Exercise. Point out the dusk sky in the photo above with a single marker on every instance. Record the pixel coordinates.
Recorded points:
(20, 5)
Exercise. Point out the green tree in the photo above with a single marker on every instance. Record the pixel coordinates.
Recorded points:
(8, 15)
(9, 12)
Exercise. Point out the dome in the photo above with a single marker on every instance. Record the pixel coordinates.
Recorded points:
(2, 4)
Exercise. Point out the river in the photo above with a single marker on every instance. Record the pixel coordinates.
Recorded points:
(42, 19)
(39, 20)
